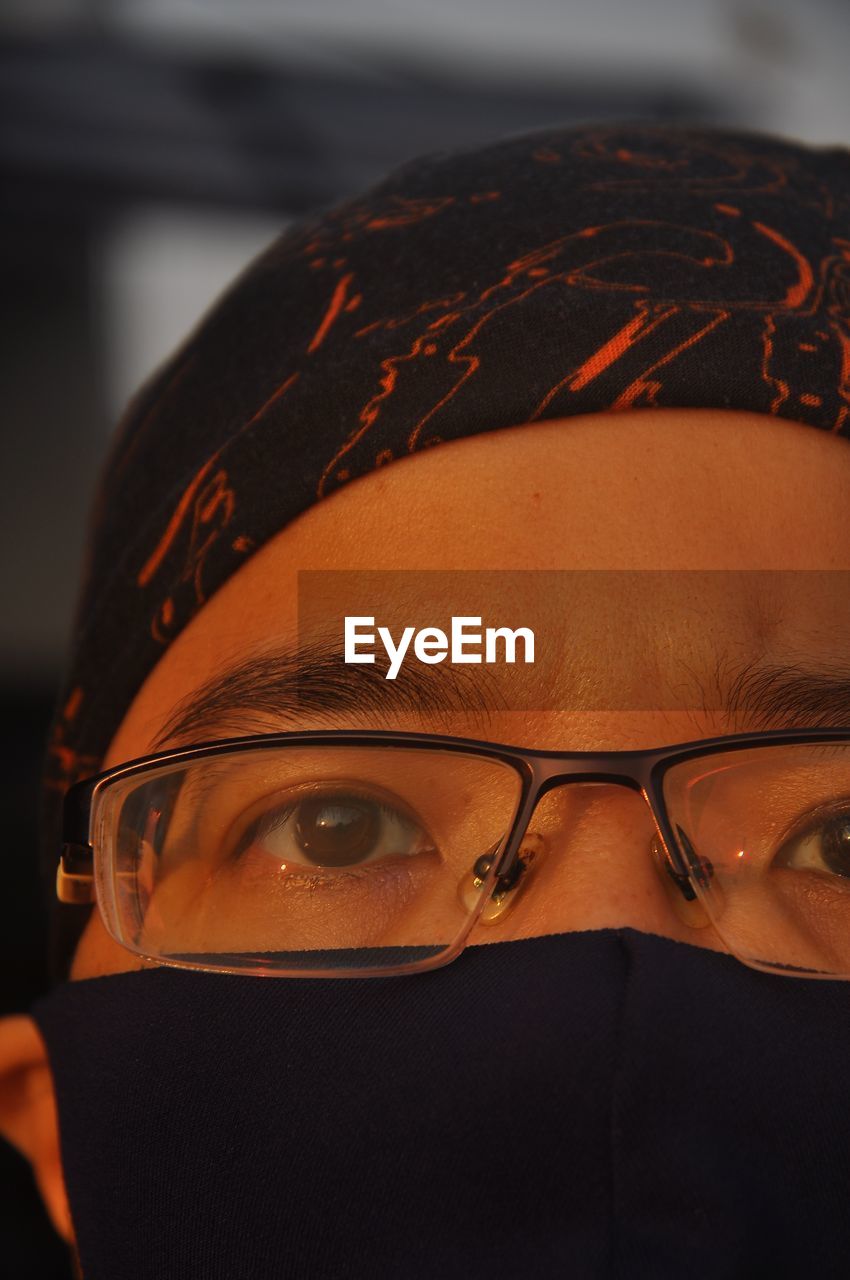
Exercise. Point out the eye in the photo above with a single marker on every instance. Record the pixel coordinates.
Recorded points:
(340, 828)
(823, 846)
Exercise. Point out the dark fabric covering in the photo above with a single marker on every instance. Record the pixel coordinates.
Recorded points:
(603, 1104)
(547, 274)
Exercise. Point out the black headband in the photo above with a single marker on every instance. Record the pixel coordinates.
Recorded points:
(552, 273)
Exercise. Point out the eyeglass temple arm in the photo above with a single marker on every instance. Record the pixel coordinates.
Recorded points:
(75, 872)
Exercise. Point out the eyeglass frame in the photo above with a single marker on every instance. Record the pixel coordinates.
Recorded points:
(540, 771)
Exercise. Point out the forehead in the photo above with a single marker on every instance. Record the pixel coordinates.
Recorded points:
(653, 488)
(659, 489)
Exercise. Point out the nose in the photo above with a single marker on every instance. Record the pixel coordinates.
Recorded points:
(591, 865)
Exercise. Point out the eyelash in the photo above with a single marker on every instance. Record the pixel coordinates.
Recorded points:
(397, 822)
(271, 819)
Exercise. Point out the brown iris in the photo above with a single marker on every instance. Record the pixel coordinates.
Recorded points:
(836, 845)
(336, 831)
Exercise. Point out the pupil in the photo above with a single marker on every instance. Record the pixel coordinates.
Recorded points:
(837, 847)
(336, 831)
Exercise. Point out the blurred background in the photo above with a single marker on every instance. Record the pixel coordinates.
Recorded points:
(150, 148)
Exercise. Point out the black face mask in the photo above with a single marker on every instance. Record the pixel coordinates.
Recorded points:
(600, 1104)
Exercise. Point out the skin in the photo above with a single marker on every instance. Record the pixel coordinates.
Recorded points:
(647, 489)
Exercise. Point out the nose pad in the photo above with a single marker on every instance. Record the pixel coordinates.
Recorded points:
(507, 889)
(678, 887)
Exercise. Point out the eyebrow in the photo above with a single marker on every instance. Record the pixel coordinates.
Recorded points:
(762, 695)
(282, 687)
(285, 686)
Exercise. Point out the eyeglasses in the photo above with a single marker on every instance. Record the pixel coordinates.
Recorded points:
(358, 854)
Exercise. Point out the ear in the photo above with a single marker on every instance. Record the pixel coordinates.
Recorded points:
(28, 1118)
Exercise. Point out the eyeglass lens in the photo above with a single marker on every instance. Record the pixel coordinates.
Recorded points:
(772, 824)
(319, 857)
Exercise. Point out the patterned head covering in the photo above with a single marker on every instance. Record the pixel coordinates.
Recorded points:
(558, 272)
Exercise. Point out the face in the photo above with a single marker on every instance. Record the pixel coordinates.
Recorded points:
(644, 490)
(650, 489)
